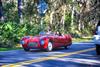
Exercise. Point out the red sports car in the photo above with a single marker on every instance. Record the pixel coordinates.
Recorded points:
(46, 41)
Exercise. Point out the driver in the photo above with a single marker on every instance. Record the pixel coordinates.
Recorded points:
(58, 33)
(49, 31)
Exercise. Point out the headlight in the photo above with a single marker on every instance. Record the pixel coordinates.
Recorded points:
(22, 42)
(41, 42)
(96, 37)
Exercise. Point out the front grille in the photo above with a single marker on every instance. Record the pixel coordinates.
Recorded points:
(33, 44)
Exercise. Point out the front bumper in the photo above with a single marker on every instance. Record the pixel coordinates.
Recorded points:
(96, 39)
(33, 44)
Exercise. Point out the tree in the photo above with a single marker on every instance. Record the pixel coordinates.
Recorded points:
(20, 11)
(87, 14)
(1, 11)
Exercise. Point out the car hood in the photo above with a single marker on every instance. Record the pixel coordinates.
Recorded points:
(34, 37)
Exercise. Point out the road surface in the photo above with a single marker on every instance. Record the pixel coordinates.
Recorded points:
(78, 55)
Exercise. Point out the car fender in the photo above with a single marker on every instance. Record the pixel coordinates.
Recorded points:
(68, 37)
(46, 43)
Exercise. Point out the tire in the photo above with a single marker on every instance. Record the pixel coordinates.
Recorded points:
(49, 47)
(67, 46)
(26, 49)
(98, 49)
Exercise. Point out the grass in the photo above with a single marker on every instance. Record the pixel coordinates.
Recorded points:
(7, 49)
(81, 39)
(18, 46)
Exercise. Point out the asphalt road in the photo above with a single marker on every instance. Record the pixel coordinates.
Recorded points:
(78, 55)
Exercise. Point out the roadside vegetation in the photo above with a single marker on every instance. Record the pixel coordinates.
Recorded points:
(82, 39)
(7, 49)
(59, 16)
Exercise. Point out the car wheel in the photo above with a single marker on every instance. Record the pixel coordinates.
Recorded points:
(26, 49)
(67, 46)
(49, 47)
(98, 49)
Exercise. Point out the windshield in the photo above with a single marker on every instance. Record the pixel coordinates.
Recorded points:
(50, 33)
(46, 33)
(42, 33)
(97, 31)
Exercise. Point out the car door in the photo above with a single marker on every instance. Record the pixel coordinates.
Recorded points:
(62, 40)
(59, 40)
(56, 41)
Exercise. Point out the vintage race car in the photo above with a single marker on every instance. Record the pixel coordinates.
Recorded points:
(47, 42)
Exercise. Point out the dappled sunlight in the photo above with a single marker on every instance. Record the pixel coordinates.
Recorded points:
(87, 55)
(37, 65)
(93, 56)
(9, 57)
(80, 60)
(39, 58)
(44, 24)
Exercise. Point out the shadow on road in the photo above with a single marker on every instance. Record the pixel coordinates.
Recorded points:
(42, 50)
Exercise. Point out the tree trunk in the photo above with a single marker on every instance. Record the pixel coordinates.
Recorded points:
(20, 11)
(72, 16)
(51, 17)
(1, 11)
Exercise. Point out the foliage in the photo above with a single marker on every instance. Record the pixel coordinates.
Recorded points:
(82, 39)
(10, 12)
(85, 19)
(11, 33)
(68, 21)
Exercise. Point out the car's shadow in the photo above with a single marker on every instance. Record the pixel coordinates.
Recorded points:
(43, 50)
